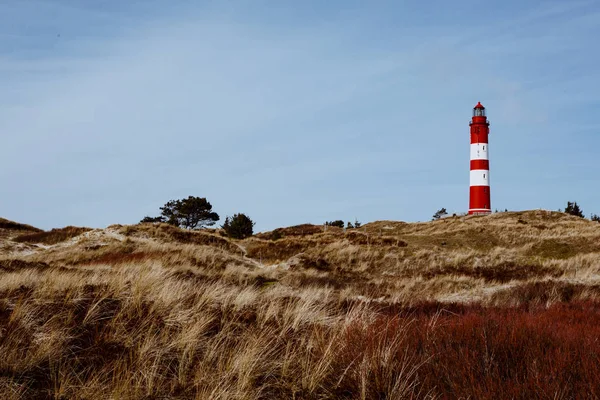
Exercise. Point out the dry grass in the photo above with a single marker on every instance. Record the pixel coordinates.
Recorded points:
(298, 230)
(504, 306)
(51, 237)
(143, 330)
(15, 226)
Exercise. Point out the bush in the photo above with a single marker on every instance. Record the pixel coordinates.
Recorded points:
(239, 226)
(439, 214)
(595, 217)
(573, 209)
(339, 223)
(151, 220)
(276, 235)
(349, 225)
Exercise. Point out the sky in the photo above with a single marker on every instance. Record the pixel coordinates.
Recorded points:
(293, 112)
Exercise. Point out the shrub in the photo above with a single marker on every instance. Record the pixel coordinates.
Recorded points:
(276, 235)
(595, 217)
(574, 209)
(152, 220)
(339, 223)
(239, 226)
(439, 214)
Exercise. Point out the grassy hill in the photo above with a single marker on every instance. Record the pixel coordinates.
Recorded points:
(499, 306)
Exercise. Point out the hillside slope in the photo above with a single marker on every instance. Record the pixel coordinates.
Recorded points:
(462, 259)
(497, 306)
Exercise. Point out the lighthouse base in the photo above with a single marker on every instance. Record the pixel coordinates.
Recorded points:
(480, 212)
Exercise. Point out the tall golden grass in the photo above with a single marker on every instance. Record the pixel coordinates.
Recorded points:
(469, 307)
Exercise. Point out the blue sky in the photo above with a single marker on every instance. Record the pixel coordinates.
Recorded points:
(293, 112)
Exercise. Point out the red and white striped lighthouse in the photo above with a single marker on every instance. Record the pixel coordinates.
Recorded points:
(479, 200)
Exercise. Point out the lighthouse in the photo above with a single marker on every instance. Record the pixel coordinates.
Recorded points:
(479, 199)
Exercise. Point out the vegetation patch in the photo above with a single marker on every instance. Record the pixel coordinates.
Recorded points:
(18, 265)
(502, 272)
(52, 237)
(15, 226)
(544, 292)
(479, 308)
(261, 345)
(551, 248)
(170, 233)
(297, 230)
(374, 240)
(110, 258)
(273, 251)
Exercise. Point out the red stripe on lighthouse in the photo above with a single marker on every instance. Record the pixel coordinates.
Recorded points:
(480, 164)
(479, 199)
(479, 138)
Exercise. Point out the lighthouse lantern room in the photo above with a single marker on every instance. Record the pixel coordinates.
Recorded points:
(479, 200)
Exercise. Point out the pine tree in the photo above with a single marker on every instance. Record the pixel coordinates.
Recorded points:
(191, 213)
(239, 226)
(574, 209)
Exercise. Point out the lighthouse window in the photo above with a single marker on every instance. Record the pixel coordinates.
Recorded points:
(484, 147)
(483, 176)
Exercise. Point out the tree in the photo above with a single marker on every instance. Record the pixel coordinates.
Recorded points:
(349, 225)
(190, 213)
(439, 214)
(356, 223)
(573, 209)
(239, 226)
(595, 217)
(339, 223)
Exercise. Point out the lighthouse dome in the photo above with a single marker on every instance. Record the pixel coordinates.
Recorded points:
(479, 110)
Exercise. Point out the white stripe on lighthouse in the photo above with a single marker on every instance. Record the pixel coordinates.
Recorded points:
(479, 151)
(480, 177)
